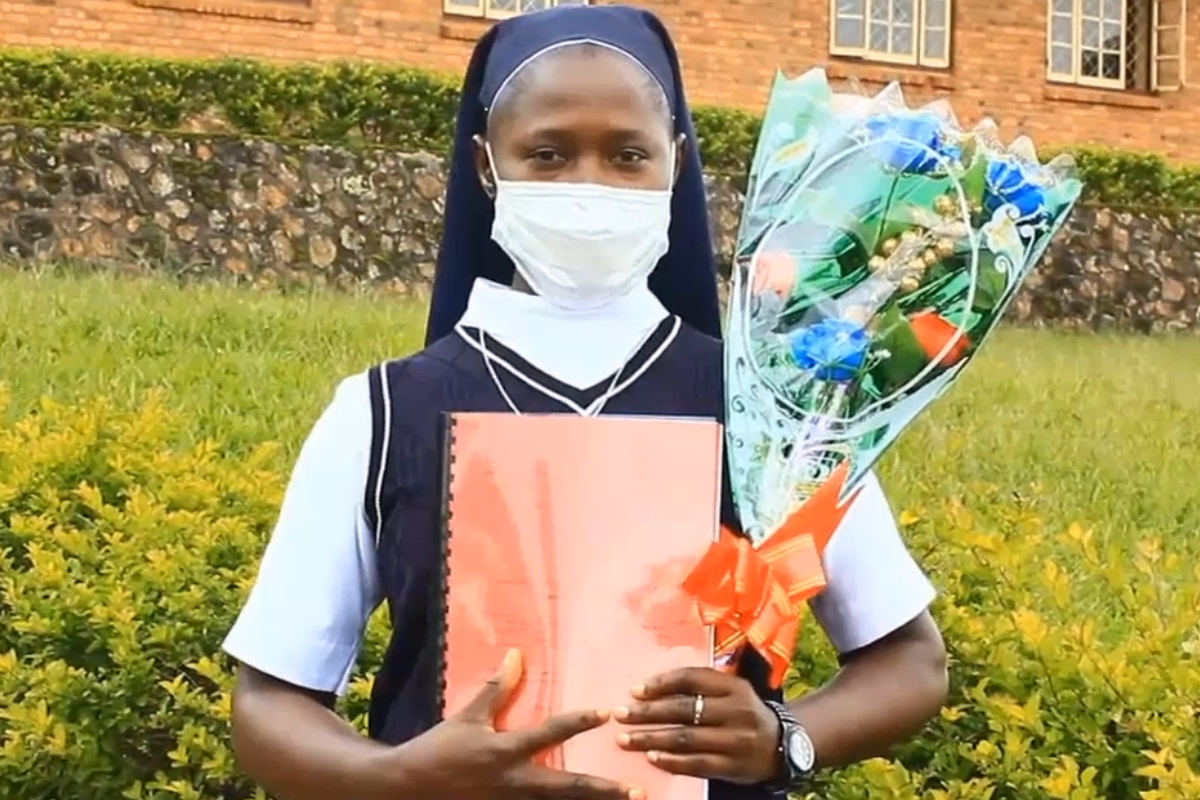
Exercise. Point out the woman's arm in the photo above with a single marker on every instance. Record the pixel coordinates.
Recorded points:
(298, 636)
(299, 750)
(294, 745)
(884, 694)
(892, 681)
(874, 609)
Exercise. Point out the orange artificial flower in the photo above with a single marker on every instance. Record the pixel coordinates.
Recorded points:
(775, 272)
(933, 333)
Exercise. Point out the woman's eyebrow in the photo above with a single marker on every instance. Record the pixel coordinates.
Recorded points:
(564, 130)
(538, 130)
(625, 134)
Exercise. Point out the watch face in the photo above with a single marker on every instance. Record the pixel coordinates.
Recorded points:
(800, 751)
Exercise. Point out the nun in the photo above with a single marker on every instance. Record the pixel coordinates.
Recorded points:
(575, 275)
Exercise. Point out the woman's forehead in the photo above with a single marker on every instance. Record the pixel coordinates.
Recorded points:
(580, 79)
(572, 51)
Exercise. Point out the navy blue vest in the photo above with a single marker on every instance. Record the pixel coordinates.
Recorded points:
(404, 502)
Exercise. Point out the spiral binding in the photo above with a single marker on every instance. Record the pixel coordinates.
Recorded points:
(443, 591)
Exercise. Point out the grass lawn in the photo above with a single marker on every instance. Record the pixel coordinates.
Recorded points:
(1104, 426)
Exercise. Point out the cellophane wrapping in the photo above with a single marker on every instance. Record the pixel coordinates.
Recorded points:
(878, 248)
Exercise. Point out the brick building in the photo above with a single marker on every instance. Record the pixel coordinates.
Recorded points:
(1062, 71)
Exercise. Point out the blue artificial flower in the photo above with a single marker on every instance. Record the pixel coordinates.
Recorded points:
(1011, 182)
(910, 142)
(833, 348)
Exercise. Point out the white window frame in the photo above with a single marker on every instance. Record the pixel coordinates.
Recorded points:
(1168, 43)
(1164, 27)
(1077, 18)
(919, 57)
(485, 9)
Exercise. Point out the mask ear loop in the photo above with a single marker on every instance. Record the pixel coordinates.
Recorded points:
(492, 185)
(674, 165)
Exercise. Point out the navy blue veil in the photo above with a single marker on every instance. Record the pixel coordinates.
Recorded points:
(685, 280)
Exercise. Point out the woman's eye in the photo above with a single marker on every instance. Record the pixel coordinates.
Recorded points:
(545, 155)
(631, 156)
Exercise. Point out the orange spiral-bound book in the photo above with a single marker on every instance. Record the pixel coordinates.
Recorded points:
(568, 538)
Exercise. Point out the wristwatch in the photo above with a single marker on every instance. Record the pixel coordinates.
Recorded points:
(796, 754)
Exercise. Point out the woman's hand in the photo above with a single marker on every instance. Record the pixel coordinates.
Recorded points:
(466, 758)
(734, 739)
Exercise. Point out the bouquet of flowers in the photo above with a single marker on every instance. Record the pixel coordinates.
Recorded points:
(878, 248)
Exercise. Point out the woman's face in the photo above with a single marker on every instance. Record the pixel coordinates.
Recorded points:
(581, 114)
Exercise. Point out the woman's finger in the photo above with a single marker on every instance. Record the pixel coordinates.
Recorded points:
(684, 740)
(689, 680)
(710, 766)
(520, 745)
(678, 710)
(552, 784)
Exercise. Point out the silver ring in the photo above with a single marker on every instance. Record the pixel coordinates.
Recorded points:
(698, 709)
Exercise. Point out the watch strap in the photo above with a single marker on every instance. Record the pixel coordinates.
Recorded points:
(790, 777)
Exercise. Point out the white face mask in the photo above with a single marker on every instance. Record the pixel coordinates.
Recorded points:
(581, 245)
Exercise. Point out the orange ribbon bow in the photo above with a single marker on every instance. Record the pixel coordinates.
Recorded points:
(754, 595)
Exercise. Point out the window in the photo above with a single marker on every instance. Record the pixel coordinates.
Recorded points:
(1117, 44)
(897, 31)
(500, 9)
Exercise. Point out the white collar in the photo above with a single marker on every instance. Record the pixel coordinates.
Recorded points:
(579, 348)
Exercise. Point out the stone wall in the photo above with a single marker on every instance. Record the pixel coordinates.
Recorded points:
(267, 213)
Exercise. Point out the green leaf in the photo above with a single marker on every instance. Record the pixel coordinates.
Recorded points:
(974, 180)
(991, 284)
(906, 358)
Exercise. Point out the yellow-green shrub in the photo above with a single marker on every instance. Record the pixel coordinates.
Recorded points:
(124, 558)
(1075, 664)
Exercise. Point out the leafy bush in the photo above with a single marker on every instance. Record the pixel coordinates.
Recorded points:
(338, 103)
(358, 104)
(123, 560)
(1075, 664)
(124, 557)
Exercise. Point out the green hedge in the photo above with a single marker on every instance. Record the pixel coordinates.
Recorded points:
(360, 104)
